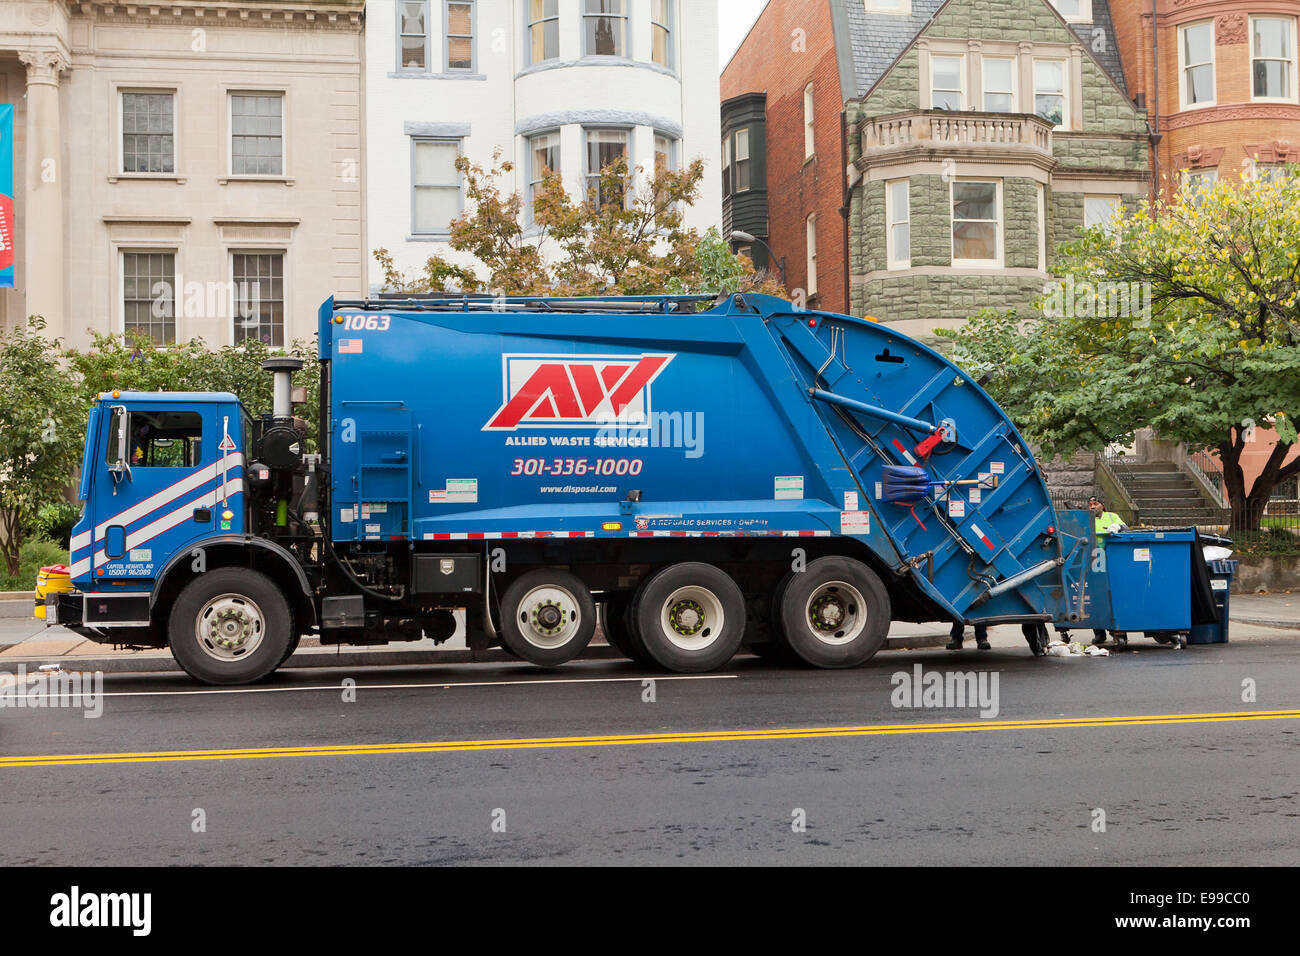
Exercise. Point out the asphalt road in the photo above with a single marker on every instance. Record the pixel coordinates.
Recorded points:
(728, 789)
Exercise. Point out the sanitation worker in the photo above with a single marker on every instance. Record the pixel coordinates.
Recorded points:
(1103, 523)
(959, 630)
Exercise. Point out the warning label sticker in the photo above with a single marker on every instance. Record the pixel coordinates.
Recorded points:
(855, 522)
(850, 501)
(788, 487)
(956, 508)
(346, 516)
(458, 491)
(975, 496)
(1141, 554)
(997, 467)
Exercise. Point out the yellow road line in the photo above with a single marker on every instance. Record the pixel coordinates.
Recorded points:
(710, 736)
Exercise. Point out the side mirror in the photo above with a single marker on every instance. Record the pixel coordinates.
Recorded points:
(120, 465)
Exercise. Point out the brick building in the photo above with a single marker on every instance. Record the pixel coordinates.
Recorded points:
(977, 135)
(1224, 73)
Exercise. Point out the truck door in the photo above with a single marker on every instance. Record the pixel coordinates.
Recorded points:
(168, 475)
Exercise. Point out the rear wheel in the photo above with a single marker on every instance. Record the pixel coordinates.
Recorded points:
(547, 617)
(230, 626)
(835, 613)
(690, 617)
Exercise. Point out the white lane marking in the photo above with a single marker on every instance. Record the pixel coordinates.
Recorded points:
(443, 686)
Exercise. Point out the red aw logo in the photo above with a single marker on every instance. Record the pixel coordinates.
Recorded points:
(594, 390)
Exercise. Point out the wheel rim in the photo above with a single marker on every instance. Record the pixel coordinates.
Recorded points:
(836, 613)
(230, 627)
(549, 617)
(692, 618)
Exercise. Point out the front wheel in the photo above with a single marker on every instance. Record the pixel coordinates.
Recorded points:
(835, 613)
(230, 626)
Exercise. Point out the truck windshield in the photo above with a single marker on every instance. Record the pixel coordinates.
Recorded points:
(158, 439)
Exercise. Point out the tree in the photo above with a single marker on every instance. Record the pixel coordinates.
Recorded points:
(627, 237)
(1184, 316)
(137, 364)
(42, 421)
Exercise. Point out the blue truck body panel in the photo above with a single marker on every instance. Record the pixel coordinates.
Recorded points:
(750, 419)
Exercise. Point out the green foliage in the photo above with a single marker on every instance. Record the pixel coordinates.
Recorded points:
(54, 522)
(1209, 346)
(35, 553)
(41, 428)
(139, 365)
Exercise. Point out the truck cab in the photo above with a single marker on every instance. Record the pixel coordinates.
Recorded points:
(161, 473)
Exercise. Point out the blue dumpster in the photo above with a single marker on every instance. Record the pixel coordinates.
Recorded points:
(1221, 573)
(1150, 578)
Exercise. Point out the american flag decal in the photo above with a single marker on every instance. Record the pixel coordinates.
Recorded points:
(350, 346)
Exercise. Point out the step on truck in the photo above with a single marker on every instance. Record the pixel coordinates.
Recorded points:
(698, 475)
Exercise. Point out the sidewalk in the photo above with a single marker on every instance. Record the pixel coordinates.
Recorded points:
(1267, 617)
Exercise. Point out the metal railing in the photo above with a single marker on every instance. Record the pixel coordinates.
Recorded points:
(1205, 465)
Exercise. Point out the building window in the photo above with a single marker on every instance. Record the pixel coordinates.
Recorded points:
(1267, 172)
(413, 35)
(1272, 60)
(1196, 63)
(148, 133)
(946, 82)
(999, 84)
(1074, 11)
(1049, 92)
(809, 116)
(1101, 211)
(259, 297)
(543, 158)
(665, 152)
(1196, 182)
(149, 295)
(975, 223)
(726, 165)
(896, 7)
(898, 222)
(741, 170)
(257, 134)
(812, 255)
(661, 32)
(604, 147)
(459, 33)
(435, 186)
(543, 30)
(604, 28)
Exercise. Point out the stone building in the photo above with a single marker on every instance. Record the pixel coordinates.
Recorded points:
(978, 135)
(186, 169)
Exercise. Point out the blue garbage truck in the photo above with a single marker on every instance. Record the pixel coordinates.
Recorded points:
(697, 474)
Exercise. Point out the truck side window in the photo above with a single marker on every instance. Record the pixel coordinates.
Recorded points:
(159, 439)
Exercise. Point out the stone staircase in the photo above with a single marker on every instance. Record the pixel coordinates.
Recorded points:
(1166, 497)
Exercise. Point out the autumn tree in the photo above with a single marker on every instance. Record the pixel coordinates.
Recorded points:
(1184, 317)
(627, 236)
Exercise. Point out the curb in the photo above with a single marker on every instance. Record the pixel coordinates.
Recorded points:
(153, 663)
(1264, 622)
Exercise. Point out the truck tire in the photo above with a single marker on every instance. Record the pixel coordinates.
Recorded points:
(777, 650)
(690, 617)
(547, 617)
(620, 634)
(835, 613)
(230, 626)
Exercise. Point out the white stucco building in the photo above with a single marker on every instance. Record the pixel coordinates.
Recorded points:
(569, 84)
(171, 157)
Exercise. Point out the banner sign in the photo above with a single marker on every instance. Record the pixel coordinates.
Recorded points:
(6, 197)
